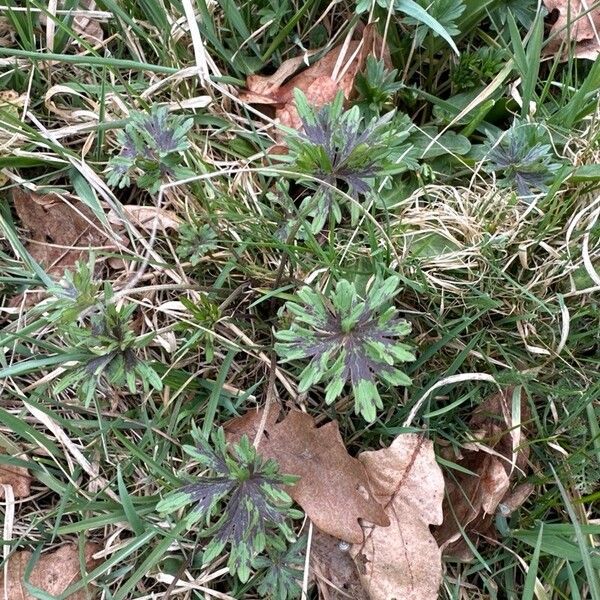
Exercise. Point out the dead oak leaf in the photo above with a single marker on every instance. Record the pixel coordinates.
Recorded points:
(577, 23)
(18, 478)
(403, 561)
(333, 488)
(495, 456)
(53, 573)
(334, 72)
(60, 233)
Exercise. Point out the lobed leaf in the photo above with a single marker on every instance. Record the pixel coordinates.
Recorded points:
(348, 340)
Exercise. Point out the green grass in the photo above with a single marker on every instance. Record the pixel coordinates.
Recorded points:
(493, 286)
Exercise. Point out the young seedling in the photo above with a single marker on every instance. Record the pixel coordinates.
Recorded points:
(151, 147)
(348, 340)
(243, 504)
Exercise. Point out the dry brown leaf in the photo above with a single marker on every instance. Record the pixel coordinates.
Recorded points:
(517, 498)
(403, 561)
(83, 25)
(333, 569)
(61, 234)
(144, 216)
(333, 488)
(497, 456)
(7, 33)
(87, 27)
(18, 478)
(575, 25)
(54, 572)
(334, 72)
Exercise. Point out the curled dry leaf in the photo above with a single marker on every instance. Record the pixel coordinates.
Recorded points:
(18, 478)
(61, 233)
(333, 569)
(333, 488)
(53, 573)
(576, 25)
(144, 217)
(403, 561)
(334, 72)
(496, 456)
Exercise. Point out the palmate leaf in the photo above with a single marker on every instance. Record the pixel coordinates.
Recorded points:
(150, 147)
(522, 158)
(341, 150)
(348, 340)
(283, 571)
(246, 495)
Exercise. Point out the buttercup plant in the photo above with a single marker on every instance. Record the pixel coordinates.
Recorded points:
(337, 148)
(243, 504)
(109, 351)
(348, 340)
(522, 158)
(151, 146)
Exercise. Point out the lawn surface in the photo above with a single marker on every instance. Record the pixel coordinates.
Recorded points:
(123, 133)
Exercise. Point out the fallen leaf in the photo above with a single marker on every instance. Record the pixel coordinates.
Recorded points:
(18, 478)
(61, 234)
(87, 27)
(496, 455)
(333, 569)
(575, 25)
(267, 89)
(54, 572)
(144, 217)
(7, 33)
(84, 25)
(333, 488)
(334, 72)
(403, 561)
(516, 498)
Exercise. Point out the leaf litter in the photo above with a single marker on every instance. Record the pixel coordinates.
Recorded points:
(495, 456)
(395, 555)
(60, 233)
(320, 83)
(53, 573)
(146, 216)
(329, 476)
(578, 25)
(333, 569)
(16, 477)
(84, 24)
(403, 561)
